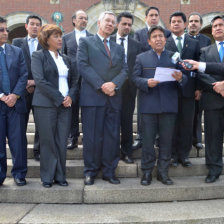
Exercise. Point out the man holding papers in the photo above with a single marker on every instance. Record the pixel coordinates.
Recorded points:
(158, 103)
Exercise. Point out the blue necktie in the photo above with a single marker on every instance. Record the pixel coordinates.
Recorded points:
(32, 46)
(5, 76)
(221, 51)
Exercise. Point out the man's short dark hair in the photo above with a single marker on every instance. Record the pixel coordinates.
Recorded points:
(33, 17)
(153, 28)
(150, 8)
(196, 14)
(217, 17)
(181, 14)
(3, 20)
(126, 15)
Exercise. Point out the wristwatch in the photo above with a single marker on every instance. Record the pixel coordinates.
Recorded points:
(1, 95)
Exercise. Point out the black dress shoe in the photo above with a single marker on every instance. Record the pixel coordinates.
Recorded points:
(174, 163)
(112, 180)
(61, 183)
(186, 163)
(127, 159)
(146, 179)
(199, 146)
(20, 181)
(89, 180)
(72, 143)
(47, 185)
(36, 156)
(137, 144)
(164, 179)
(211, 178)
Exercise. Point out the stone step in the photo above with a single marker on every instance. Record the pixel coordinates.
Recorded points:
(77, 153)
(129, 191)
(186, 212)
(75, 169)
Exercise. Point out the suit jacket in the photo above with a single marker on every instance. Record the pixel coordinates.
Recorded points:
(23, 44)
(17, 72)
(134, 48)
(204, 40)
(162, 98)
(210, 99)
(190, 51)
(70, 45)
(94, 66)
(45, 74)
(215, 68)
(142, 37)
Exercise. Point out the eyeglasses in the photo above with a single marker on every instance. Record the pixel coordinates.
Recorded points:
(2, 29)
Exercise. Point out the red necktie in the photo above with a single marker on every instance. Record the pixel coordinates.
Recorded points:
(107, 50)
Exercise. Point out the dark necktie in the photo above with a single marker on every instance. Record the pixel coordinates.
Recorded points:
(5, 76)
(107, 49)
(179, 45)
(122, 41)
(221, 51)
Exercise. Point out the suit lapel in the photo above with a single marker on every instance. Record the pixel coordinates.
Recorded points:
(171, 44)
(186, 44)
(215, 53)
(9, 55)
(51, 60)
(26, 47)
(100, 45)
(74, 38)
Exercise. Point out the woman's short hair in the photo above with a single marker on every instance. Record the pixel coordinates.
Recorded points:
(45, 32)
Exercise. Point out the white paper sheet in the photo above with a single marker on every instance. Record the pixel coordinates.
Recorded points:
(164, 74)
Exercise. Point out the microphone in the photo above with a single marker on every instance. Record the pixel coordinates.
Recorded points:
(176, 59)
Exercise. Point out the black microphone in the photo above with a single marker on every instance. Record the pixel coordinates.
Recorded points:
(176, 59)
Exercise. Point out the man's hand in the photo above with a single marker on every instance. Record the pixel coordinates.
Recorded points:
(67, 101)
(195, 64)
(30, 86)
(3, 98)
(197, 95)
(108, 88)
(177, 75)
(152, 83)
(219, 87)
(11, 100)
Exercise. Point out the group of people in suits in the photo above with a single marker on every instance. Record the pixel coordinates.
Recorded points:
(102, 74)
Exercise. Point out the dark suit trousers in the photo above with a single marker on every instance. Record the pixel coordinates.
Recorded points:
(164, 125)
(53, 126)
(139, 122)
(29, 98)
(197, 129)
(182, 140)
(101, 139)
(12, 126)
(127, 110)
(214, 130)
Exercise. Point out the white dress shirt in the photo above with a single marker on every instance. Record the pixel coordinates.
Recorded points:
(118, 41)
(63, 73)
(176, 40)
(79, 34)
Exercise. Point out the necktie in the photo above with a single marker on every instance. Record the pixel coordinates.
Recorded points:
(221, 51)
(32, 46)
(179, 45)
(122, 41)
(107, 50)
(5, 76)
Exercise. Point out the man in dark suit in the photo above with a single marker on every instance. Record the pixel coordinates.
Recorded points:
(13, 79)
(195, 23)
(70, 46)
(158, 105)
(101, 63)
(29, 44)
(132, 48)
(188, 49)
(152, 18)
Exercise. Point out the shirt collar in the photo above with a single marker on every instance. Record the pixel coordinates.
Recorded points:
(29, 38)
(125, 38)
(80, 31)
(3, 46)
(175, 37)
(102, 38)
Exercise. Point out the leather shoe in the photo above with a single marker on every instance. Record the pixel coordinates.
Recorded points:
(137, 144)
(47, 185)
(174, 163)
(198, 146)
(126, 158)
(112, 180)
(186, 163)
(36, 156)
(89, 180)
(211, 179)
(146, 179)
(20, 181)
(71, 143)
(164, 179)
(61, 183)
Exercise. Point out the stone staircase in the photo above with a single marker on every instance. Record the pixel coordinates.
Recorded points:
(188, 186)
